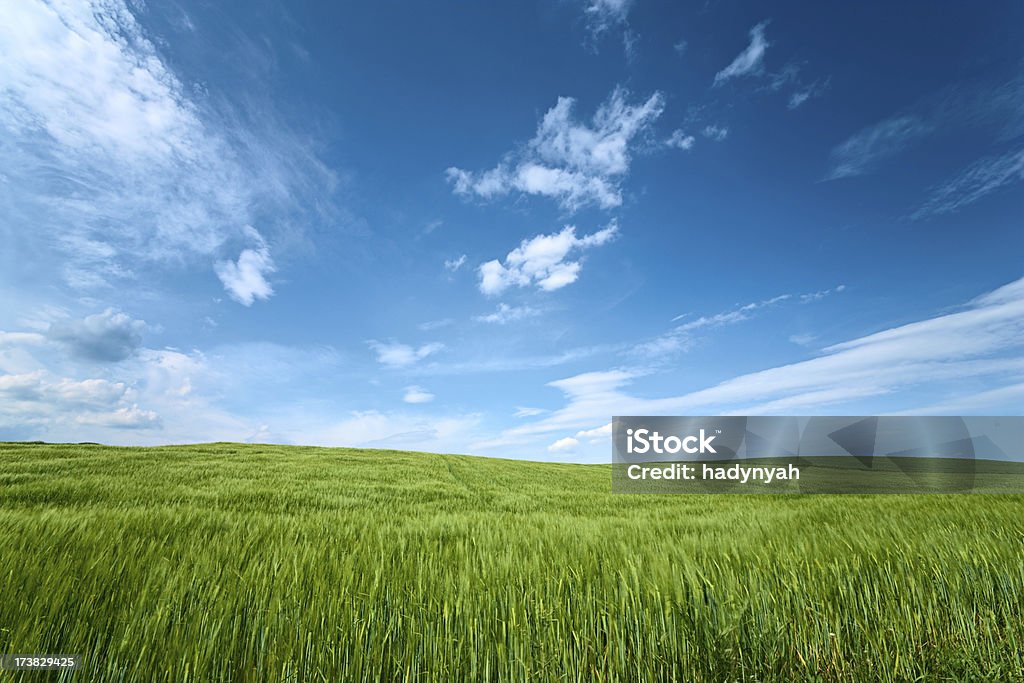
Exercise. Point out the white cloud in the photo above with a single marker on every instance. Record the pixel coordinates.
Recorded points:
(526, 411)
(601, 433)
(566, 445)
(121, 164)
(811, 297)
(751, 60)
(109, 336)
(506, 314)
(131, 417)
(245, 279)
(435, 324)
(863, 151)
(603, 13)
(980, 179)
(38, 399)
(803, 339)
(715, 132)
(680, 140)
(798, 98)
(574, 163)
(940, 354)
(681, 337)
(374, 429)
(453, 265)
(541, 261)
(415, 394)
(397, 355)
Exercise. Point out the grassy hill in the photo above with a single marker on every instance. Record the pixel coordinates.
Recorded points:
(233, 562)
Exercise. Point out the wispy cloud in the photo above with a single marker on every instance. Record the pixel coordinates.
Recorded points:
(982, 340)
(602, 433)
(120, 163)
(811, 297)
(680, 140)
(682, 337)
(750, 60)
(526, 411)
(541, 261)
(417, 394)
(804, 339)
(571, 162)
(978, 180)
(506, 314)
(398, 355)
(603, 14)
(435, 324)
(715, 133)
(452, 265)
(866, 149)
(565, 445)
(992, 110)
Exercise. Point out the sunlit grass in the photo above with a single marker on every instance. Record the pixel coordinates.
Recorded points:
(262, 563)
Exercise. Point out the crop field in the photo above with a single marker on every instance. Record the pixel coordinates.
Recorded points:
(228, 562)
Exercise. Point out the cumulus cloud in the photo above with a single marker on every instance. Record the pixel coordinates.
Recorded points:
(506, 314)
(541, 261)
(397, 355)
(415, 394)
(572, 162)
(245, 280)
(751, 60)
(40, 399)
(109, 336)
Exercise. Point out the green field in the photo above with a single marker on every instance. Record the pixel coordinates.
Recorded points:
(260, 563)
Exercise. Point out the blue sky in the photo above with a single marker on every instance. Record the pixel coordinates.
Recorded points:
(488, 227)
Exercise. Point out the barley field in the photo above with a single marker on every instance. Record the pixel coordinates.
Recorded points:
(228, 562)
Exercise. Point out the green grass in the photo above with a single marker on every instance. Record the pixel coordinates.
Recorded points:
(258, 563)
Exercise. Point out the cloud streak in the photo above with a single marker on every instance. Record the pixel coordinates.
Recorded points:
(982, 340)
(751, 60)
(977, 181)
